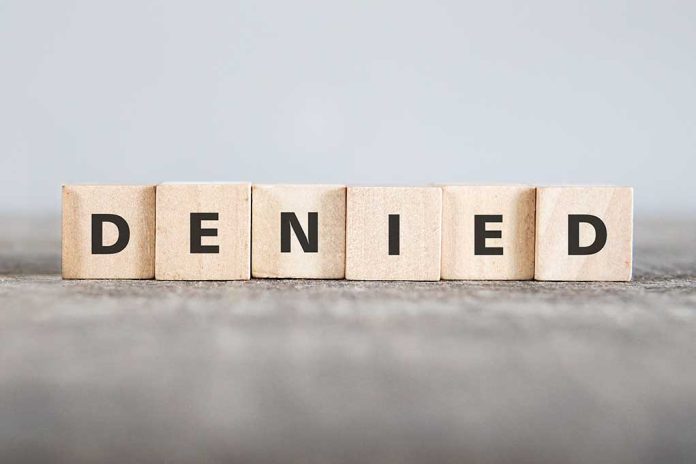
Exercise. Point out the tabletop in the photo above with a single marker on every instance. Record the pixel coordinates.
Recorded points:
(350, 372)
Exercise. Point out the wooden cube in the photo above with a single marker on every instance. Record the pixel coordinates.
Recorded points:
(393, 233)
(203, 231)
(298, 231)
(488, 232)
(108, 231)
(584, 233)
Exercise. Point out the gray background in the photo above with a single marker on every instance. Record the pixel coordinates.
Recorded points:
(359, 91)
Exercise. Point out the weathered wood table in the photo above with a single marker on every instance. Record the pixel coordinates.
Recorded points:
(318, 371)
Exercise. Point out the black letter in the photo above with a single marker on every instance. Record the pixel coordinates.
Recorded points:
(574, 248)
(481, 234)
(394, 235)
(288, 221)
(98, 247)
(197, 232)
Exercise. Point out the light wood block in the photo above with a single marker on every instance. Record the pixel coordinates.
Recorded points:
(108, 231)
(413, 252)
(298, 231)
(557, 253)
(203, 231)
(488, 232)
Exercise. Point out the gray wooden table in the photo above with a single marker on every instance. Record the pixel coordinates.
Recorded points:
(317, 371)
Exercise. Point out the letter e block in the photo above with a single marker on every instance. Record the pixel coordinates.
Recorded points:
(393, 233)
(298, 231)
(488, 232)
(203, 231)
(584, 233)
(108, 231)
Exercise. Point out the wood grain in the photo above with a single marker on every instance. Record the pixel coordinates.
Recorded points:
(135, 204)
(328, 202)
(367, 233)
(613, 205)
(232, 204)
(516, 206)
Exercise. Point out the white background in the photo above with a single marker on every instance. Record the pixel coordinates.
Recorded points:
(352, 91)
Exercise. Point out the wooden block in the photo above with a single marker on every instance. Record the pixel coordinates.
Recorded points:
(298, 231)
(203, 231)
(108, 231)
(488, 232)
(584, 233)
(393, 233)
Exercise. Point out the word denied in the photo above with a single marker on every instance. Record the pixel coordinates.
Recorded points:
(238, 231)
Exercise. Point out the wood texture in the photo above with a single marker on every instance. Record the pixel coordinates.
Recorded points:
(317, 371)
(135, 204)
(268, 260)
(613, 205)
(175, 203)
(460, 205)
(367, 233)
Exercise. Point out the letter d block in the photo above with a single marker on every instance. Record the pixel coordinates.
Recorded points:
(584, 233)
(298, 231)
(108, 231)
(393, 233)
(203, 231)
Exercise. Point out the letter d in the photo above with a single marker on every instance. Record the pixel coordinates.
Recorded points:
(98, 247)
(574, 248)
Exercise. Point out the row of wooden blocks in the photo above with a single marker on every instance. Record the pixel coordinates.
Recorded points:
(233, 231)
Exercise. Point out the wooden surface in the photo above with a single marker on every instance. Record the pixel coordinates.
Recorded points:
(369, 253)
(231, 204)
(329, 204)
(516, 205)
(613, 206)
(133, 203)
(350, 372)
